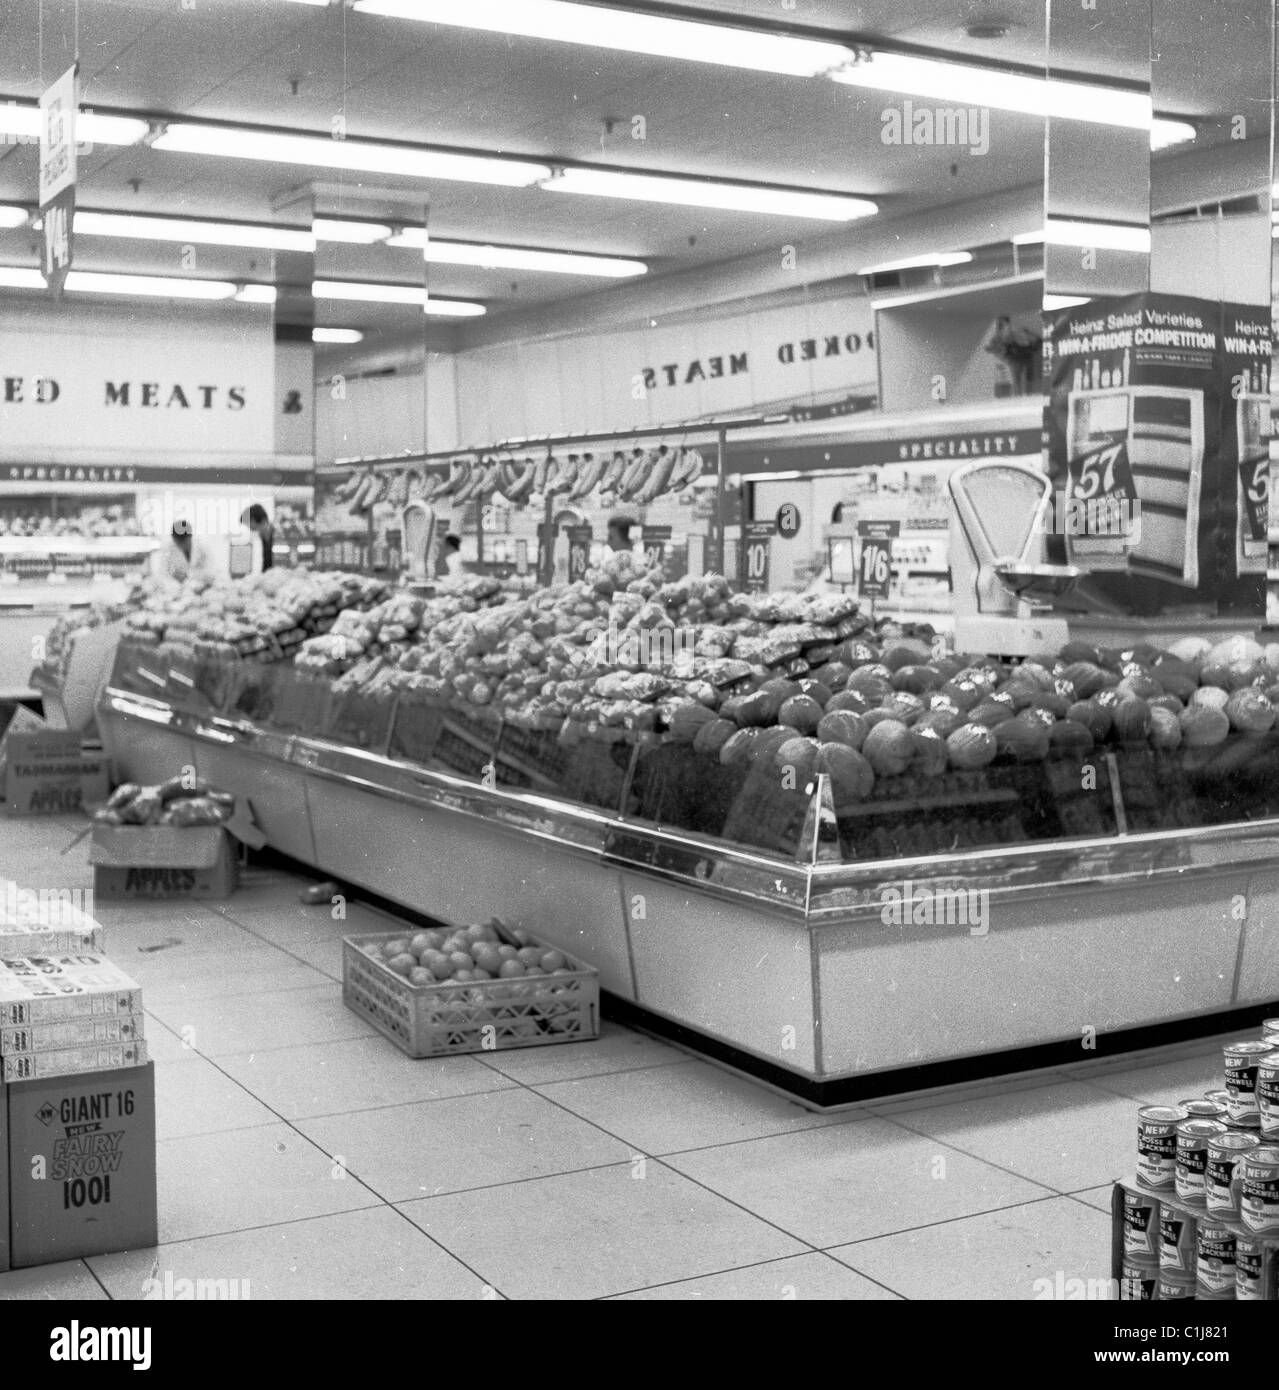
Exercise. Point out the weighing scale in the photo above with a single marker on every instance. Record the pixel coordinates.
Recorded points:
(418, 545)
(1002, 587)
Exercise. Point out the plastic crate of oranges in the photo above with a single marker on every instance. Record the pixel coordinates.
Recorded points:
(478, 988)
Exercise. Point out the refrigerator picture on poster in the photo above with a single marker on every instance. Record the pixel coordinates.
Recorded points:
(1156, 428)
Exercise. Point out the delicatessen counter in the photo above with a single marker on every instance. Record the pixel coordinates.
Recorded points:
(823, 848)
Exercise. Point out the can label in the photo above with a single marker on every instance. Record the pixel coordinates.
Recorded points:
(1192, 1169)
(1241, 1084)
(1249, 1269)
(1215, 1272)
(1268, 1098)
(1170, 1289)
(1176, 1246)
(1259, 1200)
(1137, 1283)
(1141, 1227)
(1222, 1182)
(1157, 1151)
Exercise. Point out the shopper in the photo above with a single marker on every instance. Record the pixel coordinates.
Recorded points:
(257, 520)
(184, 557)
(619, 533)
(453, 557)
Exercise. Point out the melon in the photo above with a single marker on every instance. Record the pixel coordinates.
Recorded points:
(687, 720)
(888, 748)
(1092, 716)
(1243, 673)
(1068, 738)
(755, 710)
(1209, 697)
(970, 746)
(962, 693)
(767, 741)
(906, 652)
(1203, 726)
(942, 722)
(1215, 674)
(1132, 720)
(1049, 700)
(877, 716)
(1140, 685)
(1036, 674)
(834, 675)
(947, 666)
(737, 751)
(851, 777)
(710, 738)
(1166, 702)
(1177, 677)
(871, 683)
(1020, 694)
(917, 680)
(1165, 728)
(1023, 738)
(1235, 649)
(843, 726)
(851, 700)
(815, 690)
(857, 654)
(904, 706)
(796, 761)
(1249, 711)
(1078, 651)
(1108, 699)
(990, 713)
(801, 712)
(781, 689)
(1190, 649)
(929, 752)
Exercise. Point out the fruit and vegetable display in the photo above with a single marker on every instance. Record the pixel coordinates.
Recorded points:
(91, 522)
(51, 670)
(693, 705)
(263, 616)
(469, 989)
(182, 801)
(637, 476)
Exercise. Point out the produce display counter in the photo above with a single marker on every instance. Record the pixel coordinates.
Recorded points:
(983, 922)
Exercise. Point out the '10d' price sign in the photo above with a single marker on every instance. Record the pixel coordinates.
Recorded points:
(579, 552)
(757, 549)
(875, 567)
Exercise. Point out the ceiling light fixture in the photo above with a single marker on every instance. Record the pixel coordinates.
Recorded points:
(1103, 236)
(12, 216)
(142, 228)
(1063, 301)
(92, 127)
(149, 286)
(626, 31)
(689, 192)
(255, 294)
(336, 335)
(356, 156)
(928, 261)
(367, 292)
(488, 257)
(14, 277)
(352, 233)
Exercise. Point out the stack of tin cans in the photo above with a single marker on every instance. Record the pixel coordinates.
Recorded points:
(1201, 1218)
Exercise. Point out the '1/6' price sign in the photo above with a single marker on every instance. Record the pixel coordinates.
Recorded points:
(757, 549)
(875, 568)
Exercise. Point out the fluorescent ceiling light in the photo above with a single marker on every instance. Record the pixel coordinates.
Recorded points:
(736, 197)
(357, 156)
(354, 233)
(23, 122)
(255, 294)
(13, 277)
(1103, 236)
(1165, 132)
(515, 257)
(12, 216)
(164, 287)
(1063, 301)
(972, 85)
(927, 261)
(626, 31)
(129, 225)
(336, 335)
(372, 293)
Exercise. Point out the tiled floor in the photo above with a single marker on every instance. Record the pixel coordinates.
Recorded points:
(303, 1155)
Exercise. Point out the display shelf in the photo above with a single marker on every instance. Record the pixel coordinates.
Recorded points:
(785, 963)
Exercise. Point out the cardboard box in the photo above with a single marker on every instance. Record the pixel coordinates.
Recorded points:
(52, 989)
(93, 1192)
(72, 1032)
(162, 861)
(72, 1061)
(4, 1178)
(44, 921)
(49, 773)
